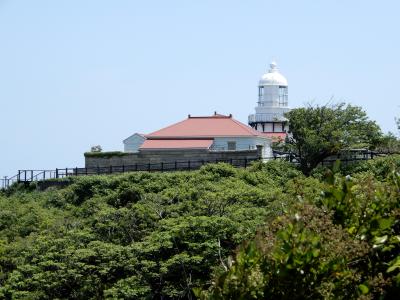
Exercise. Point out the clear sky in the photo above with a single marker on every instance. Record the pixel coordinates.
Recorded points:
(79, 73)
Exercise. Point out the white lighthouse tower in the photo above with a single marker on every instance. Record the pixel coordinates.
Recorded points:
(272, 103)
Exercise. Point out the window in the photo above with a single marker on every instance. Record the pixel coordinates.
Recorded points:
(231, 145)
(260, 93)
(283, 95)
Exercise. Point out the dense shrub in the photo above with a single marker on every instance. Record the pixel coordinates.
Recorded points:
(340, 243)
(301, 255)
(167, 235)
(135, 235)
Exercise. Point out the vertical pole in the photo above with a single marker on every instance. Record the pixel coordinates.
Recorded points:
(189, 165)
(44, 175)
(31, 175)
(123, 168)
(136, 167)
(162, 167)
(19, 176)
(66, 172)
(176, 165)
(110, 169)
(148, 167)
(245, 162)
(86, 170)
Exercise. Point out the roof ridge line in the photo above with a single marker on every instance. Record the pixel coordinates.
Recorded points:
(149, 135)
(247, 128)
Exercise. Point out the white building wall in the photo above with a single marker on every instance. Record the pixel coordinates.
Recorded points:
(271, 96)
(133, 143)
(244, 143)
(267, 127)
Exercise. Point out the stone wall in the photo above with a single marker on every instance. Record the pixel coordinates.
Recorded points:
(165, 156)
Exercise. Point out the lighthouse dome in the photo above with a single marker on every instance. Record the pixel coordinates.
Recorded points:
(273, 77)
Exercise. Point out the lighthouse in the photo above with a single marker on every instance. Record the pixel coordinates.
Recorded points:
(272, 104)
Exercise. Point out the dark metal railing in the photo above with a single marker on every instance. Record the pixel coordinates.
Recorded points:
(26, 176)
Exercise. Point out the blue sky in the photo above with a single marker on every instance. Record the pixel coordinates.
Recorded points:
(80, 73)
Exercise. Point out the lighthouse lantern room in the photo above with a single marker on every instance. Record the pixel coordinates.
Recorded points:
(272, 103)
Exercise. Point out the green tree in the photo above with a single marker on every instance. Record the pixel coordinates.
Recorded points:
(389, 143)
(317, 132)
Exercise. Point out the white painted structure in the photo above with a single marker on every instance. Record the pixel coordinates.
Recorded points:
(272, 103)
(243, 143)
(213, 133)
(132, 143)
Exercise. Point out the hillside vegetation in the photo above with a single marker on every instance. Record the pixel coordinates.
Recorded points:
(266, 232)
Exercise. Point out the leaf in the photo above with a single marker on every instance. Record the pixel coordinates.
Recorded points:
(351, 230)
(315, 252)
(385, 223)
(395, 264)
(363, 289)
(380, 239)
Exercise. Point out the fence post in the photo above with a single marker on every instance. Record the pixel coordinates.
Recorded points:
(86, 170)
(19, 176)
(66, 172)
(110, 169)
(136, 167)
(162, 166)
(56, 173)
(149, 167)
(189, 165)
(176, 165)
(76, 171)
(245, 163)
(123, 168)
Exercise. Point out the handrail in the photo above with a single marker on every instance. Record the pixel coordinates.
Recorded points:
(27, 176)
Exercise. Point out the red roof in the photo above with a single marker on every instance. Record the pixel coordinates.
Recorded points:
(201, 127)
(176, 144)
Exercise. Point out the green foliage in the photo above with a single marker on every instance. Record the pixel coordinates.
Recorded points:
(105, 154)
(321, 131)
(340, 241)
(301, 255)
(132, 236)
(389, 143)
(218, 233)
